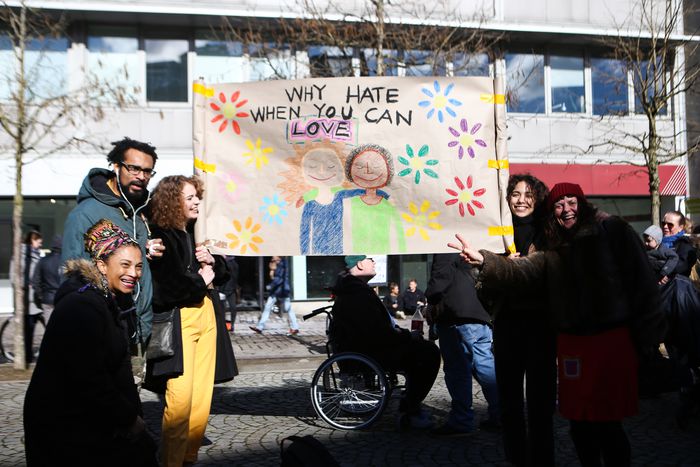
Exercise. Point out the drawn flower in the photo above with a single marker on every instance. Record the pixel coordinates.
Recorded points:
(257, 153)
(244, 236)
(466, 139)
(465, 196)
(439, 101)
(418, 163)
(232, 186)
(420, 219)
(228, 111)
(273, 209)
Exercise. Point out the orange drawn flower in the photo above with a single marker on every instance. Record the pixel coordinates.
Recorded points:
(244, 236)
(229, 111)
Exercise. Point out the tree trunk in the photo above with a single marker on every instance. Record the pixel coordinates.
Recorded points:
(379, 10)
(652, 162)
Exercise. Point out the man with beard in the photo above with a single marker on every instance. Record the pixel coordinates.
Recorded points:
(119, 195)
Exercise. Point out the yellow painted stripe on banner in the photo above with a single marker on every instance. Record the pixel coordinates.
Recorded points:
(494, 98)
(496, 164)
(499, 231)
(199, 88)
(511, 248)
(203, 166)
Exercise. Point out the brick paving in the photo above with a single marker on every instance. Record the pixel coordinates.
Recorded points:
(253, 413)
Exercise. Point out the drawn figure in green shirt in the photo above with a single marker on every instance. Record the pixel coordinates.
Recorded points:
(372, 216)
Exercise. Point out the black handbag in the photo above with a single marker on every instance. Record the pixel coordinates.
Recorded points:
(162, 343)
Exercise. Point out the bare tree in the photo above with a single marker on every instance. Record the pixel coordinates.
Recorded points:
(369, 36)
(39, 117)
(652, 47)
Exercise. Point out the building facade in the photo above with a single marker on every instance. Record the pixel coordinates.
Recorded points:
(567, 95)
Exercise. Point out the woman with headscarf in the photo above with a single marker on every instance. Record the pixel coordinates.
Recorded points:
(183, 280)
(82, 406)
(605, 305)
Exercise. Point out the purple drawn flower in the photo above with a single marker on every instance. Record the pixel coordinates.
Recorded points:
(466, 138)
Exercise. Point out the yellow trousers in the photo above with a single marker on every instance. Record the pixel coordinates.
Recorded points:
(188, 397)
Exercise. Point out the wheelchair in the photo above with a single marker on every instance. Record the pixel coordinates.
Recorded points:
(349, 391)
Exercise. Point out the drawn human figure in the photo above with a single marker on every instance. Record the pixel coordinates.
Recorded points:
(372, 216)
(316, 180)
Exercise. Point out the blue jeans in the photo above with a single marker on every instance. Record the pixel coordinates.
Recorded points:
(466, 350)
(287, 304)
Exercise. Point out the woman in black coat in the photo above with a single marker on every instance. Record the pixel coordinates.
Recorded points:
(82, 407)
(183, 279)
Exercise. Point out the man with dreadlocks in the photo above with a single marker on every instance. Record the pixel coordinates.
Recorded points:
(119, 195)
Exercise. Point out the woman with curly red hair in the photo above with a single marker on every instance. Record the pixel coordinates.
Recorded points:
(183, 280)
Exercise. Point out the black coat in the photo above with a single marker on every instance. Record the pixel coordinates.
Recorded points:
(82, 391)
(687, 256)
(176, 283)
(362, 324)
(452, 285)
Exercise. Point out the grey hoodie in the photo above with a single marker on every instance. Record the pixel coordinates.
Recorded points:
(96, 201)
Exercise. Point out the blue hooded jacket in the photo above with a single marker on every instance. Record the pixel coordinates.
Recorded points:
(97, 201)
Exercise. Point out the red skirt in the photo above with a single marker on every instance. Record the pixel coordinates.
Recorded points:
(597, 376)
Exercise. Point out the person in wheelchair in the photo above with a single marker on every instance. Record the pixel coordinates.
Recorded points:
(362, 324)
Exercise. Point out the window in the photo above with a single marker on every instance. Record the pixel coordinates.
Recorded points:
(7, 60)
(369, 67)
(423, 63)
(609, 86)
(470, 65)
(270, 61)
(166, 70)
(113, 56)
(219, 61)
(328, 62)
(567, 84)
(525, 82)
(649, 79)
(45, 66)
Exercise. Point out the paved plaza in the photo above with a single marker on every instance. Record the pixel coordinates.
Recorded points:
(270, 400)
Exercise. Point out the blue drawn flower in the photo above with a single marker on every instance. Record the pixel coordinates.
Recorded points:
(273, 209)
(466, 139)
(417, 163)
(439, 102)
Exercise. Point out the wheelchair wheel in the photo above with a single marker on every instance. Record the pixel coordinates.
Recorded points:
(349, 391)
(7, 336)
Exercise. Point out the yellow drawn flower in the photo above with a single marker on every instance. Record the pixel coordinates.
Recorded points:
(257, 153)
(244, 236)
(421, 220)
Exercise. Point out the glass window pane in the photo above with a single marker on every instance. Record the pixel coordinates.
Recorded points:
(609, 80)
(650, 80)
(112, 39)
(166, 70)
(470, 64)
(7, 67)
(46, 62)
(328, 62)
(270, 61)
(113, 57)
(217, 48)
(322, 272)
(369, 67)
(567, 84)
(525, 82)
(423, 63)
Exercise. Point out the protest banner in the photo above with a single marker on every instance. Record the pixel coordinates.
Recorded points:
(334, 166)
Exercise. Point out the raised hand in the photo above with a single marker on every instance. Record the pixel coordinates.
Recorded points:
(469, 254)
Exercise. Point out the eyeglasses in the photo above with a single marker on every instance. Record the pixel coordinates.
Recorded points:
(135, 170)
(670, 225)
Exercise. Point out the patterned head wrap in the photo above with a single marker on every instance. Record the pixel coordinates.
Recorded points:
(104, 238)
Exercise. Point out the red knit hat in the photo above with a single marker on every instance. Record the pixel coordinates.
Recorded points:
(560, 190)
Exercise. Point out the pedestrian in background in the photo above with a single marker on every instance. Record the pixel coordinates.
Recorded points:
(47, 278)
(30, 256)
(605, 304)
(279, 294)
(411, 298)
(82, 406)
(391, 301)
(183, 281)
(463, 327)
(676, 229)
(525, 342)
(228, 293)
(663, 260)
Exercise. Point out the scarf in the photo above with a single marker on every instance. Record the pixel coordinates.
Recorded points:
(525, 233)
(671, 240)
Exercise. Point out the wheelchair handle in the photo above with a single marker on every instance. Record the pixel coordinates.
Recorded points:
(318, 311)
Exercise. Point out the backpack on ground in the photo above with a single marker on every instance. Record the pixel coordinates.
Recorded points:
(305, 451)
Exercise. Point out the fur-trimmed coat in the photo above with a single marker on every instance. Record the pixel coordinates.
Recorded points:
(599, 280)
(82, 391)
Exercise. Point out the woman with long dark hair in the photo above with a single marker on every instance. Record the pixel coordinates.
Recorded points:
(524, 341)
(183, 280)
(605, 305)
(82, 407)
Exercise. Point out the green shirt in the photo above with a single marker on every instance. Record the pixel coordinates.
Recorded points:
(371, 226)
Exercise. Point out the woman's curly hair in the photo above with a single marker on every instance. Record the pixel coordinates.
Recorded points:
(167, 207)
